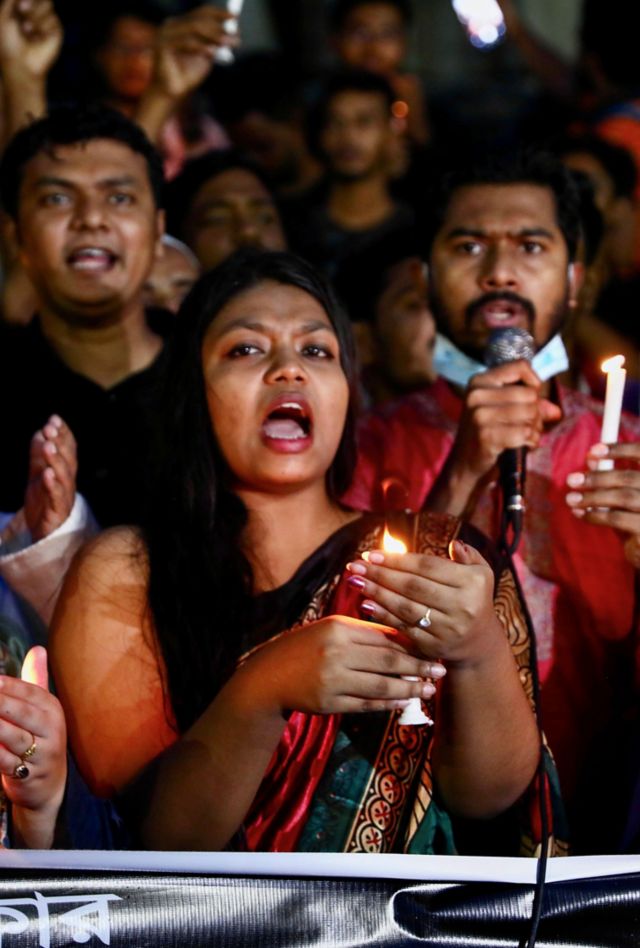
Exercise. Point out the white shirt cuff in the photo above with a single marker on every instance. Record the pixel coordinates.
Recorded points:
(36, 570)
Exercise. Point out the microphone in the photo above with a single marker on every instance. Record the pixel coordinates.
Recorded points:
(507, 345)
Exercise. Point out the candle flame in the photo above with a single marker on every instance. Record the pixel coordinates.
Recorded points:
(615, 362)
(391, 544)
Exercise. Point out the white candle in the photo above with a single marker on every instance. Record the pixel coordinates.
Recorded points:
(413, 713)
(224, 54)
(616, 376)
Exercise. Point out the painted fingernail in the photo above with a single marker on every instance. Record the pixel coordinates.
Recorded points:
(599, 450)
(437, 671)
(573, 498)
(375, 557)
(359, 568)
(575, 480)
(50, 448)
(428, 689)
(457, 547)
(368, 607)
(578, 512)
(356, 582)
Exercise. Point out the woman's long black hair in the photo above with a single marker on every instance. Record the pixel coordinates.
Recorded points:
(200, 581)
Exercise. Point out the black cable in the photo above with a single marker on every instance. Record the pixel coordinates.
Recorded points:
(509, 547)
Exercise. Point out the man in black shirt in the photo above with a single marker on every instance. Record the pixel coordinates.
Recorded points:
(351, 132)
(83, 190)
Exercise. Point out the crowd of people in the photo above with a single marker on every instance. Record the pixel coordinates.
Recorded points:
(245, 327)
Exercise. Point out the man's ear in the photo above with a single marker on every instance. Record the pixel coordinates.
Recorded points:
(158, 252)
(575, 279)
(365, 343)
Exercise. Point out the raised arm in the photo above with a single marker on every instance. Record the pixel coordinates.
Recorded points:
(30, 41)
(554, 72)
(185, 51)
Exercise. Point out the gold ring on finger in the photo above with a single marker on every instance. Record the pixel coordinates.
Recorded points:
(30, 751)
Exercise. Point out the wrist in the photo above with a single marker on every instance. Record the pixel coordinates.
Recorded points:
(489, 647)
(158, 93)
(35, 828)
(155, 108)
(455, 487)
(249, 701)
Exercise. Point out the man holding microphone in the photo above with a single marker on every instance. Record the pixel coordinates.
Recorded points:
(502, 256)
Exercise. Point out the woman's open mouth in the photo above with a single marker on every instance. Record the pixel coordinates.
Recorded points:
(287, 426)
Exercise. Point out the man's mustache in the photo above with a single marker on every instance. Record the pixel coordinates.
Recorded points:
(501, 296)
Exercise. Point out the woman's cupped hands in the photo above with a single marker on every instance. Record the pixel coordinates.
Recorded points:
(443, 606)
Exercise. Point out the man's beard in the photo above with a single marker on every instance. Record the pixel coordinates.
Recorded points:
(461, 338)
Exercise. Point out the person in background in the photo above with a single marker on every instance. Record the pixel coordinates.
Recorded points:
(151, 70)
(262, 102)
(43, 801)
(33, 764)
(601, 87)
(501, 251)
(350, 130)
(171, 277)
(82, 188)
(607, 324)
(219, 203)
(373, 35)
(148, 68)
(385, 293)
(151, 67)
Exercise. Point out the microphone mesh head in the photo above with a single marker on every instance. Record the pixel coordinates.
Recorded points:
(507, 345)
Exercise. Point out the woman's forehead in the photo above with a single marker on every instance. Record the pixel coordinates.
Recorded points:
(277, 305)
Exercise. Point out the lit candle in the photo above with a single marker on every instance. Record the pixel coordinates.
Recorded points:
(616, 376)
(391, 544)
(413, 713)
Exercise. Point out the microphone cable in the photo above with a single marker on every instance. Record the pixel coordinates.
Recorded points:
(528, 940)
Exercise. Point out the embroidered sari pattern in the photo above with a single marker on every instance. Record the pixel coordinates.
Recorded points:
(380, 811)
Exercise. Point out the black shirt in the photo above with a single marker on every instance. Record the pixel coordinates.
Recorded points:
(111, 426)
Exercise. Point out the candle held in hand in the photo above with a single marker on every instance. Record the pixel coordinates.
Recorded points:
(413, 713)
(224, 54)
(616, 376)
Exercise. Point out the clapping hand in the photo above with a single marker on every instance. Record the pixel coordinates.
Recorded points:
(51, 487)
